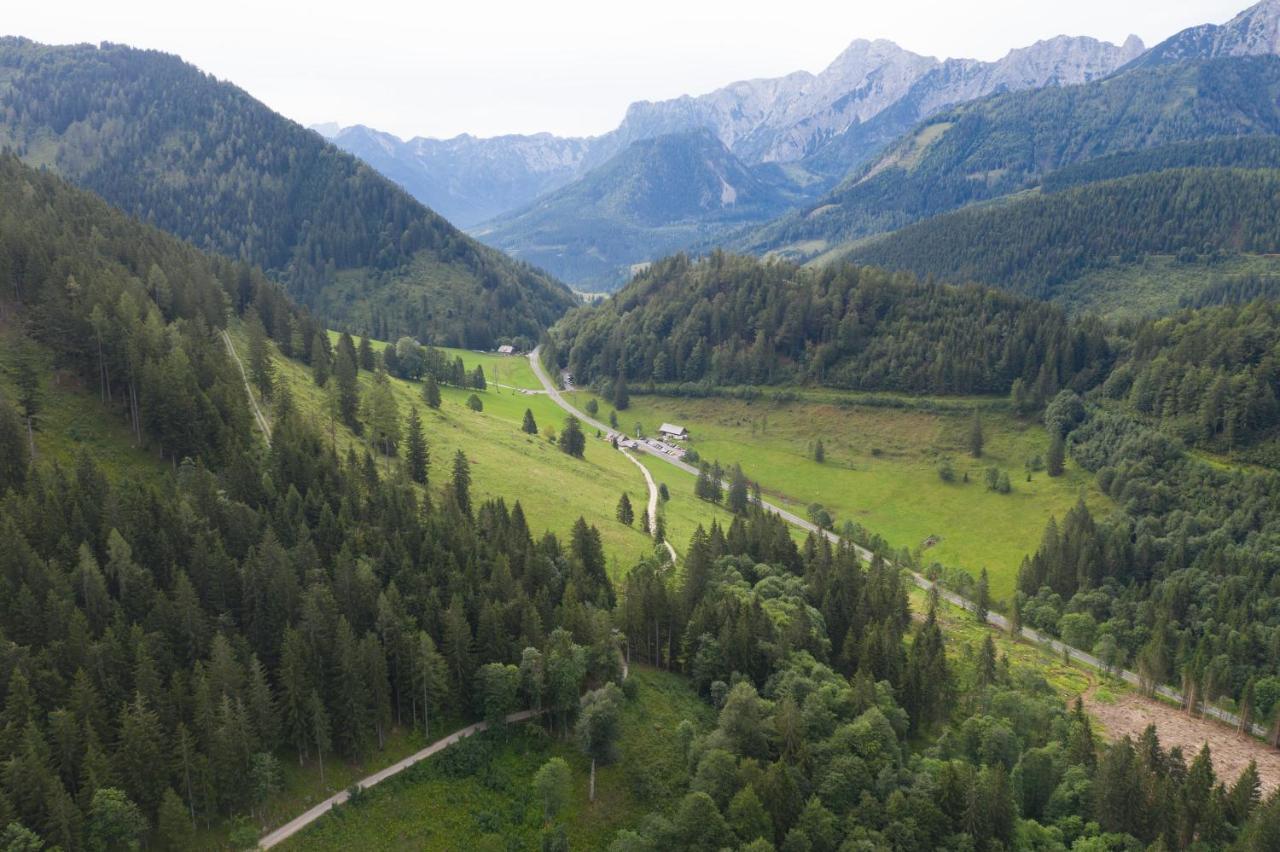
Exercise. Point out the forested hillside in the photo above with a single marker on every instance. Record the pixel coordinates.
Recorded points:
(730, 320)
(1005, 143)
(657, 196)
(822, 711)
(1036, 244)
(168, 641)
(203, 160)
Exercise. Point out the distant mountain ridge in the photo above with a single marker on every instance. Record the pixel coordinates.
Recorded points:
(872, 84)
(1006, 143)
(655, 197)
(1254, 32)
(202, 159)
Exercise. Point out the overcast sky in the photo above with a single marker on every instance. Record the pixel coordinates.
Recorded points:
(432, 68)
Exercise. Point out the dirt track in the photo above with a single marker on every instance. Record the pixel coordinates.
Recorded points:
(1131, 713)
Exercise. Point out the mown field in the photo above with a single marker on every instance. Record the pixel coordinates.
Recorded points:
(478, 794)
(881, 469)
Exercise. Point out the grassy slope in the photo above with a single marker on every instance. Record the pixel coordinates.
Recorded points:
(553, 488)
(881, 471)
(428, 808)
(71, 418)
(1155, 285)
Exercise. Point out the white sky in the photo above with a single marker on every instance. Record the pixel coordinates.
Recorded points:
(433, 68)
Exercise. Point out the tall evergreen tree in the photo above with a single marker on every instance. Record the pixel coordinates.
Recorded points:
(626, 514)
(1055, 464)
(368, 361)
(348, 389)
(417, 455)
(572, 441)
(460, 485)
(431, 391)
(529, 426)
(976, 438)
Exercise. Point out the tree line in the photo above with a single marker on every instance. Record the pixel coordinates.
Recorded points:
(729, 320)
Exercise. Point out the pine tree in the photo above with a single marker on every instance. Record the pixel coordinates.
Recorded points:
(529, 426)
(819, 452)
(474, 403)
(986, 668)
(982, 603)
(625, 513)
(431, 391)
(261, 369)
(1057, 458)
(28, 381)
(739, 494)
(321, 359)
(621, 396)
(572, 441)
(460, 485)
(976, 439)
(321, 736)
(366, 357)
(348, 389)
(417, 455)
(383, 414)
(477, 378)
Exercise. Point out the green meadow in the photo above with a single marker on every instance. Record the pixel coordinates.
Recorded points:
(553, 488)
(71, 417)
(478, 795)
(881, 469)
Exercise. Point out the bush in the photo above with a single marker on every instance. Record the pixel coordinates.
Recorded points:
(946, 472)
(474, 403)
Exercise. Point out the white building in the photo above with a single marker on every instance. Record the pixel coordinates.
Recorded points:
(670, 430)
(506, 350)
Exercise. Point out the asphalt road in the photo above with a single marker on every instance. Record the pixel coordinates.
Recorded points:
(993, 618)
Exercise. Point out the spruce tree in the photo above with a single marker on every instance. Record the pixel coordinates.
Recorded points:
(621, 396)
(982, 602)
(431, 391)
(625, 513)
(529, 426)
(477, 378)
(417, 455)
(572, 441)
(365, 356)
(321, 358)
(739, 495)
(1057, 459)
(348, 389)
(819, 452)
(261, 369)
(976, 438)
(461, 482)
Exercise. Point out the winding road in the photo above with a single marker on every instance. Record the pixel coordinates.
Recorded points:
(653, 502)
(993, 618)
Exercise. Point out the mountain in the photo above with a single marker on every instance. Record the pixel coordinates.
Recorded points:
(202, 159)
(730, 320)
(1005, 143)
(465, 179)
(1254, 32)
(1042, 244)
(792, 118)
(656, 196)
(831, 121)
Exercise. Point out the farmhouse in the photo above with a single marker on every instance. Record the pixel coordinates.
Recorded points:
(506, 349)
(670, 430)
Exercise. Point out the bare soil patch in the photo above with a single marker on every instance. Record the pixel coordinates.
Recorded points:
(1131, 713)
